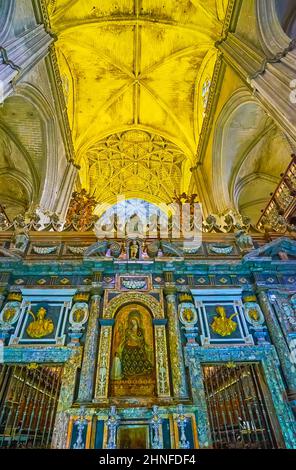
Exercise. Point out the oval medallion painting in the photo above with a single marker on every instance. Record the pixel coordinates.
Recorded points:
(133, 365)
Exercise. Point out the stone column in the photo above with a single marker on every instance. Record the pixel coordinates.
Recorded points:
(87, 376)
(175, 345)
(203, 189)
(278, 340)
(65, 191)
(4, 331)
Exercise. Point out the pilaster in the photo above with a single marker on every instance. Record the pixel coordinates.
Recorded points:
(176, 351)
(278, 339)
(87, 376)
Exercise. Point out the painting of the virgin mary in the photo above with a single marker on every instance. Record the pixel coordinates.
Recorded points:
(133, 357)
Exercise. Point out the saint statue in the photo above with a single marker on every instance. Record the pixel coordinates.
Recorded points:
(134, 226)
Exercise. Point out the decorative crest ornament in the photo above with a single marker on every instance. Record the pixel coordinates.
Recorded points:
(14, 296)
(81, 297)
(188, 318)
(185, 297)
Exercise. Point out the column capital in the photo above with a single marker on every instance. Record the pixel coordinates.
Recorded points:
(96, 291)
(170, 290)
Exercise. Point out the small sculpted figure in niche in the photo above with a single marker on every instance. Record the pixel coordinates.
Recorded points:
(134, 250)
(116, 371)
(134, 225)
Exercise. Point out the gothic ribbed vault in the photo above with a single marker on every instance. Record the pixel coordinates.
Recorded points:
(136, 65)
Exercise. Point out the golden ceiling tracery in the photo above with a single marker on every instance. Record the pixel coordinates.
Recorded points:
(135, 65)
(135, 163)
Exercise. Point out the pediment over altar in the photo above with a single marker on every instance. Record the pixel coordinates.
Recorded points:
(280, 249)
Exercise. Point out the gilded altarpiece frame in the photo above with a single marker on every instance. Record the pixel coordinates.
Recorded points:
(132, 353)
(150, 304)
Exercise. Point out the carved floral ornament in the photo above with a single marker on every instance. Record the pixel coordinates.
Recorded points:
(229, 222)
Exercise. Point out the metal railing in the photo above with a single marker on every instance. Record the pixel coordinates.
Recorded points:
(28, 403)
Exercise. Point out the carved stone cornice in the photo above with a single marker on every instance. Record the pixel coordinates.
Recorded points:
(239, 55)
(6, 60)
(273, 60)
(21, 54)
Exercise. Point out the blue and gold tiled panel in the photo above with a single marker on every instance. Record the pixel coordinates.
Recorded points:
(51, 281)
(214, 280)
(157, 280)
(222, 323)
(109, 281)
(272, 279)
(205, 280)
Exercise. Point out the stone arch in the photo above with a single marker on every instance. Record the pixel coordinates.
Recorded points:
(47, 190)
(18, 175)
(134, 297)
(286, 10)
(220, 192)
(273, 38)
(249, 154)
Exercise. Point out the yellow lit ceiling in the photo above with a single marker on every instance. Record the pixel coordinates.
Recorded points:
(136, 75)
